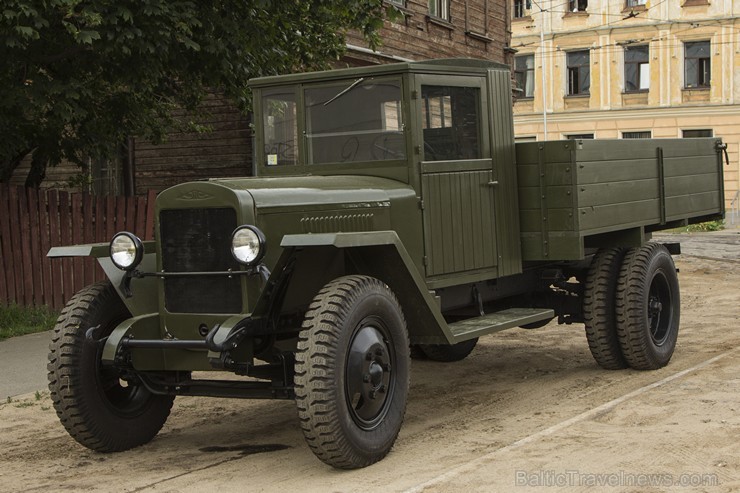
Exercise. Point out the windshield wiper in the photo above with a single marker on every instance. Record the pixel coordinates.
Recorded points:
(345, 91)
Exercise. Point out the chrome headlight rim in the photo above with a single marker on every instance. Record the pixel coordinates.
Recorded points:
(258, 235)
(138, 247)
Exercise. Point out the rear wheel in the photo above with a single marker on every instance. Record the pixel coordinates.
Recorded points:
(648, 307)
(99, 409)
(352, 372)
(599, 311)
(449, 352)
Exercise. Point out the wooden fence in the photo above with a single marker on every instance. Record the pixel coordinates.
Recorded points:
(33, 221)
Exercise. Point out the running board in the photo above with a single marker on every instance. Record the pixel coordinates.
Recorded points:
(493, 322)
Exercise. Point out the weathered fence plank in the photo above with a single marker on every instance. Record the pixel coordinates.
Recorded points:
(32, 221)
(6, 274)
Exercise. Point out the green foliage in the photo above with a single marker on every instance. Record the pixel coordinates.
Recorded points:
(79, 76)
(701, 227)
(17, 320)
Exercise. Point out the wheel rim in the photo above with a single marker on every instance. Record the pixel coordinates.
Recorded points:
(659, 309)
(369, 374)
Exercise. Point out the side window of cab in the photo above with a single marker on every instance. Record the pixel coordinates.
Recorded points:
(451, 123)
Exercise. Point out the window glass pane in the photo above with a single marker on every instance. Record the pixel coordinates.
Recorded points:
(579, 136)
(636, 135)
(707, 132)
(644, 76)
(451, 122)
(636, 54)
(524, 74)
(692, 72)
(356, 120)
(630, 77)
(579, 74)
(699, 49)
(280, 126)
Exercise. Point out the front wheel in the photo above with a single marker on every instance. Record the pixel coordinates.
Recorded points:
(352, 372)
(97, 406)
(648, 307)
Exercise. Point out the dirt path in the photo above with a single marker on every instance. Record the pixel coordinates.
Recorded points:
(528, 410)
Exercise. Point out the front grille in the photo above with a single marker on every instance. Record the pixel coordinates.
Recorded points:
(199, 240)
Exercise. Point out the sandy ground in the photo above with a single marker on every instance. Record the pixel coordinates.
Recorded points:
(527, 411)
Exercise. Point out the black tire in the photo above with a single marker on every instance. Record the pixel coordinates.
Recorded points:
(94, 405)
(352, 372)
(648, 307)
(599, 314)
(415, 352)
(448, 353)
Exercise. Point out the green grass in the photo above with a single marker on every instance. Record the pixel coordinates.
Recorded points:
(16, 320)
(701, 227)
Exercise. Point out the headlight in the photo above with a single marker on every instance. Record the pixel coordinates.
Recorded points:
(248, 245)
(126, 250)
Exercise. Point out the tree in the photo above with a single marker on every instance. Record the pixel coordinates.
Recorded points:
(79, 76)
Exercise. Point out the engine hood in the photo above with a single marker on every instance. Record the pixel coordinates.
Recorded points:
(310, 192)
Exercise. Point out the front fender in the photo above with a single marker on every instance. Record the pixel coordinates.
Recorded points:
(144, 299)
(382, 255)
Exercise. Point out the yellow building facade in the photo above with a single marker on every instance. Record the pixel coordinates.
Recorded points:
(614, 69)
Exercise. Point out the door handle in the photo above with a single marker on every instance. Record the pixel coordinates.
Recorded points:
(492, 183)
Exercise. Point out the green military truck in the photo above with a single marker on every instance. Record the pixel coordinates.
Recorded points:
(391, 217)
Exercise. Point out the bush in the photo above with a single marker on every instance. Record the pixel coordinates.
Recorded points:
(16, 320)
(708, 226)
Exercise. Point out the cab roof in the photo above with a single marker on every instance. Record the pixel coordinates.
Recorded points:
(444, 66)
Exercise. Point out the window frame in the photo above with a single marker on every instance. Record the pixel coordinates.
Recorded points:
(639, 66)
(576, 69)
(583, 136)
(439, 9)
(701, 82)
(575, 6)
(460, 82)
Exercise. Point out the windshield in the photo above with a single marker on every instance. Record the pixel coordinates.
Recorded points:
(355, 120)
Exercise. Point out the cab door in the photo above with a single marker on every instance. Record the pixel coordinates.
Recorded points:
(456, 175)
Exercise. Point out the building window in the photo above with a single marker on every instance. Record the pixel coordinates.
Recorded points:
(440, 9)
(579, 136)
(635, 3)
(637, 135)
(703, 132)
(524, 74)
(579, 73)
(697, 64)
(577, 5)
(400, 3)
(522, 8)
(636, 68)
(526, 138)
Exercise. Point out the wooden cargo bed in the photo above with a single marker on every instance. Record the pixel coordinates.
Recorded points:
(576, 194)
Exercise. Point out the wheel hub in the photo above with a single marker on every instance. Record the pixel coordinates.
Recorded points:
(369, 376)
(658, 308)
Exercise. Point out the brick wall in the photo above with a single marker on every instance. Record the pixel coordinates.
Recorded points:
(475, 29)
(225, 151)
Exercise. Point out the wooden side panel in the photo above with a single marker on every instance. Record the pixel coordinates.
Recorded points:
(611, 186)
